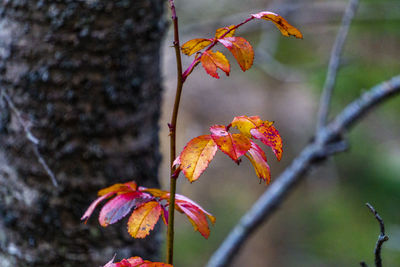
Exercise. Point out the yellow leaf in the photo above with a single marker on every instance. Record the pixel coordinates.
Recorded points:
(143, 219)
(195, 45)
(221, 31)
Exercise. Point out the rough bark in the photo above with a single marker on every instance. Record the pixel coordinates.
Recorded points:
(85, 74)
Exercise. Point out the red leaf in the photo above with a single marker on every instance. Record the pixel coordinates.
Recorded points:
(143, 219)
(136, 262)
(241, 50)
(211, 61)
(234, 145)
(259, 160)
(196, 156)
(262, 130)
(120, 206)
(269, 135)
(284, 26)
(221, 31)
(195, 45)
(195, 213)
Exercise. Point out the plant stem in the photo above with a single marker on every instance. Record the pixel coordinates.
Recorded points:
(172, 133)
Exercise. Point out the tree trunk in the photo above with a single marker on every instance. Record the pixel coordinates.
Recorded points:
(85, 75)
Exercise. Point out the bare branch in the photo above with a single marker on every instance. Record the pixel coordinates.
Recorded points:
(310, 156)
(29, 136)
(334, 63)
(381, 238)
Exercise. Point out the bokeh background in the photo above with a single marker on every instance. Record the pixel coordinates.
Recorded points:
(324, 222)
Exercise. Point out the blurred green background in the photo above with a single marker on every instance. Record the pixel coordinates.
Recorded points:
(324, 222)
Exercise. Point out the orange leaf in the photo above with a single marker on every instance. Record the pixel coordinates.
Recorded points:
(196, 156)
(284, 26)
(269, 135)
(143, 219)
(261, 130)
(259, 160)
(195, 214)
(241, 50)
(234, 145)
(221, 31)
(119, 188)
(195, 45)
(211, 61)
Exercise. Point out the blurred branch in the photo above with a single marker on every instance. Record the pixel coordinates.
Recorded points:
(311, 155)
(381, 238)
(29, 136)
(334, 63)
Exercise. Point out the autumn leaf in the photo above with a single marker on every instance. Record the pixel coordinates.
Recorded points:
(259, 160)
(143, 219)
(147, 204)
(284, 26)
(241, 50)
(195, 45)
(269, 135)
(234, 145)
(136, 262)
(196, 156)
(211, 61)
(119, 188)
(221, 31)
(261, 130)
(196, 214)
(244, 124)
(120, 206)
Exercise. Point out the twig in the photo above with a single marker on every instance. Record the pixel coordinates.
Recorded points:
(29, 135)
(275, 194)
(172, 133)
(381, 238)
(334, 63)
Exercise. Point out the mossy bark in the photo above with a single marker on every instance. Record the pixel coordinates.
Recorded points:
(85, 75)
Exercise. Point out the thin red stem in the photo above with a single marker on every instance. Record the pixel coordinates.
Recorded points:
(172, 133)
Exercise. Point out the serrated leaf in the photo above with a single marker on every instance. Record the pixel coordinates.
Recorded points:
(284, 26)
(143, 219)
(261, 130)
(244, 124)
(259, 160)
(234, 145)
(120, 206)
(269, 135)
(195, 45)
(118, 188)
(221, 31)
(211, 61)
(195, 214)
(241, 50)
(136, 262)
(196, 156)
